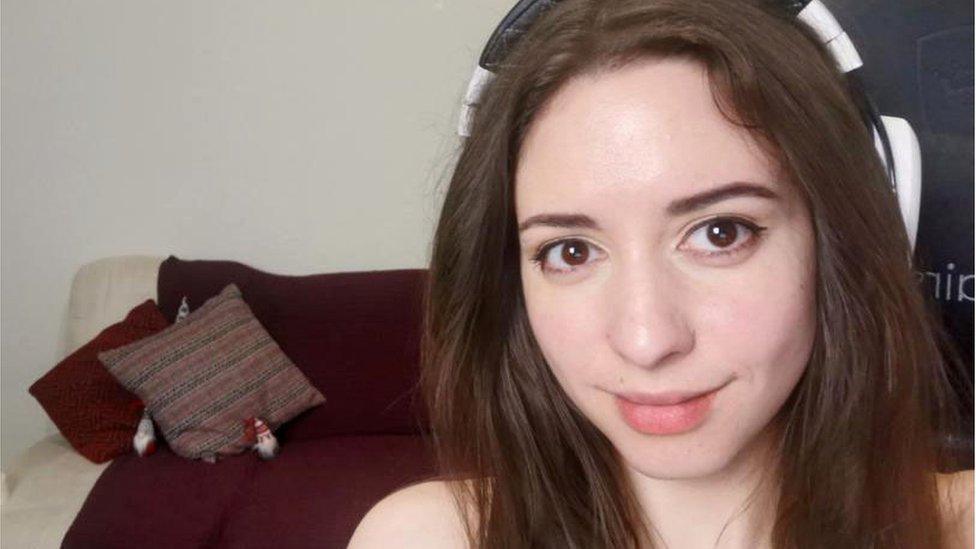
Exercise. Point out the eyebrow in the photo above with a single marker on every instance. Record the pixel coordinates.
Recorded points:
(678, 207)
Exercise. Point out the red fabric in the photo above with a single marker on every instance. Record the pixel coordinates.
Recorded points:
(355, 335)
(316, 492)
(93, 412)
(313, 494)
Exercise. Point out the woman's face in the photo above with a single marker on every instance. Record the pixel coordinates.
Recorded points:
(647, 283)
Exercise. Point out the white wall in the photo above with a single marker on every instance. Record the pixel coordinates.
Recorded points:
(299, 137)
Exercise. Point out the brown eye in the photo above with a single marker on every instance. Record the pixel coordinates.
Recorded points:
(574, 252)
(721, 233)
(724, 236)
(564, 256)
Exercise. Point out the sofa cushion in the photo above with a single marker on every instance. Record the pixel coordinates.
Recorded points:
(160, 501)
(204, 376)
(319, 492)
(356, 335)
(96, 414)
(312, 495)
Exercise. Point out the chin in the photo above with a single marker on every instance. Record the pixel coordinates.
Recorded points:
(665, 464)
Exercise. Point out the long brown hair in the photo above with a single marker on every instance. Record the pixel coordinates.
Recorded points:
(860, 439)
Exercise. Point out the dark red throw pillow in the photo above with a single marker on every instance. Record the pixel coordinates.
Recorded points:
(91, 409)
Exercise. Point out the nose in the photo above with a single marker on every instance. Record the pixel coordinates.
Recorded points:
(647, 325)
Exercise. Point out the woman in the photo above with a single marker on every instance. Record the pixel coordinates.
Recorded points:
(666, 201)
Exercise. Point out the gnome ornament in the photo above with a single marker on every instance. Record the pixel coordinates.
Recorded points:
(257, 433)
(183, 311)
(144, 440)
(267, 445)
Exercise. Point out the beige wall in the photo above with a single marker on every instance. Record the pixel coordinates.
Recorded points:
(297, 136)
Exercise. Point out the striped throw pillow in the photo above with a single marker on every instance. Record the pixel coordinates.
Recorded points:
(202, 377)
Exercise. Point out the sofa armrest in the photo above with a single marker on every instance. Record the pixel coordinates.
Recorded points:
(46, 486)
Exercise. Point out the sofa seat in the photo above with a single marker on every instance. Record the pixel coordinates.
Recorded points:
(313, 494)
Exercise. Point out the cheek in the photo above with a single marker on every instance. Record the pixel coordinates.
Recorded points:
(763, 326)
(565, 328)
(761, 314)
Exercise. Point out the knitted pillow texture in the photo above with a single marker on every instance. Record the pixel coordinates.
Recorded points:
(204, 376)
(93, 412)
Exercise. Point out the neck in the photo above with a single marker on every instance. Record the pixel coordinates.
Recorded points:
(731, 508)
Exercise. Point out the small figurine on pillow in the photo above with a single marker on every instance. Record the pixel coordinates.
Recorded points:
(183, 311)
(261, 438)
(144, 440)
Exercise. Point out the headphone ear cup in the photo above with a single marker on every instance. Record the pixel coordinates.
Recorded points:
(907, 158)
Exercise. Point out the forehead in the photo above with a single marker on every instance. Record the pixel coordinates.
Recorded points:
(646, 133)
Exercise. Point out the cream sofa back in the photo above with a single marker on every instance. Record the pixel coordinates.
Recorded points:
(104, 291)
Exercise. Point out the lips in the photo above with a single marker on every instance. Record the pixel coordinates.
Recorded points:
(684, 412)
(663, 399)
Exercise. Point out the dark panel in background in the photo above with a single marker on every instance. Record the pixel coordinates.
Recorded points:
(918, 65)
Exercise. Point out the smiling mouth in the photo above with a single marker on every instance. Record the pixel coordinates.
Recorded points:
(666, 413)
(667, 419)
(666, 398)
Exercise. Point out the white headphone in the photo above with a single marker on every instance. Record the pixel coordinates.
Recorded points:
(894, 139)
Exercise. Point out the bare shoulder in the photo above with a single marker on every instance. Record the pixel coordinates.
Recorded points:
(421, 515)
(956, 490)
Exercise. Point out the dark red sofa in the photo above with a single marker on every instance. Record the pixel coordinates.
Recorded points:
(356, 336)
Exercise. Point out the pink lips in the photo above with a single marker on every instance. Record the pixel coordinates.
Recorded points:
(662, 399)
(665, 413)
